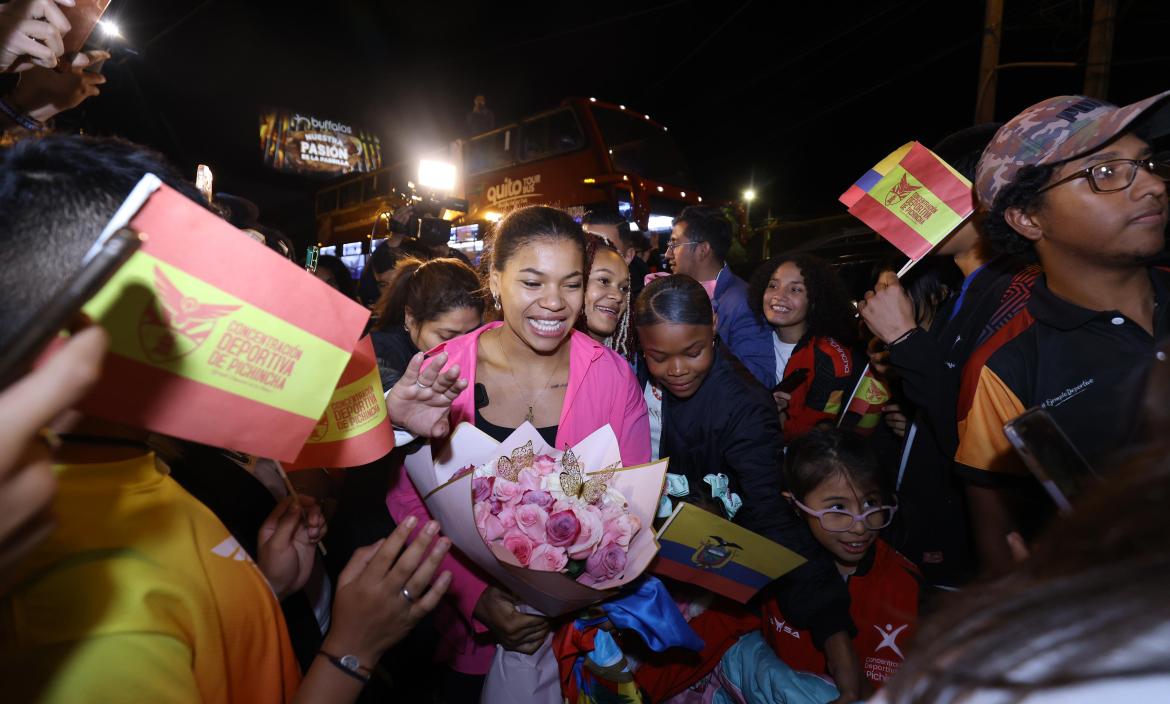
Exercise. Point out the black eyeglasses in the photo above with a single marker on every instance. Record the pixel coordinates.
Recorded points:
(1115, 174)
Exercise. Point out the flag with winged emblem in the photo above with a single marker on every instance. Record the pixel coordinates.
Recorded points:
(912, 198)
(864, 409)
(215, 338)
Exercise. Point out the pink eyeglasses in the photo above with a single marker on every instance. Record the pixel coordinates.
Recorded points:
(840, 521)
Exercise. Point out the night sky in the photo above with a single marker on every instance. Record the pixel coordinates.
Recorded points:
(797, 98)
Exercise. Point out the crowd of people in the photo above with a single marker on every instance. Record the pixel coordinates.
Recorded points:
(136, 566)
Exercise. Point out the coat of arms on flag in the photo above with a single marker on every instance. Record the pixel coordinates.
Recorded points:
(215, 338)
(911, 198)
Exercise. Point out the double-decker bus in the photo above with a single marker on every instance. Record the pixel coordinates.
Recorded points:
(583, 154)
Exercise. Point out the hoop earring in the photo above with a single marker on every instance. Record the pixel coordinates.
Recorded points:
(496, 300)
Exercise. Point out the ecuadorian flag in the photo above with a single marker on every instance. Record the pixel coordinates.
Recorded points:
(912, 198)
(698, 547)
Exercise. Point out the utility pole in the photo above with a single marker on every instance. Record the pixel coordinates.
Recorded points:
(1100, 48)
(989, 62)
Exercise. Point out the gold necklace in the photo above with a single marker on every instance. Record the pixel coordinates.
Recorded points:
(531, 415)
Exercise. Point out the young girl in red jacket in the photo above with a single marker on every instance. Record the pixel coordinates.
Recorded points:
(835, 484)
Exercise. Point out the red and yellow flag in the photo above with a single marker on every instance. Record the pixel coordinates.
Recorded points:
(912, 198)
(354, 429)
(215, 338)
(869, 398)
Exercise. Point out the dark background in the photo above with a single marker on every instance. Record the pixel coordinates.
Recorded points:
(796, 98)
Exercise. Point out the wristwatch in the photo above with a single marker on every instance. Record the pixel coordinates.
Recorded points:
(350, 665)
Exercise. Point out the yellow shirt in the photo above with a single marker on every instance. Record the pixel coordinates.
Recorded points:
(140, 594)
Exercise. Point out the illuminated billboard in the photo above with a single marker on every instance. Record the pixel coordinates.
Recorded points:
(309, 145)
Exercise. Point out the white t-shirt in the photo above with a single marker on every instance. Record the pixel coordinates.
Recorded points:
(783, 351)
(654, 405)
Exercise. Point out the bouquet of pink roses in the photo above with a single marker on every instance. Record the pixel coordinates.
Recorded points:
(548, 514)
(562, 530)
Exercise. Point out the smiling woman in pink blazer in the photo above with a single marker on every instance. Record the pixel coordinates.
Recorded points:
(529, 366)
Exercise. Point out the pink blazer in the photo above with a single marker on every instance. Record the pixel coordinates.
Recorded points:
(602, 390)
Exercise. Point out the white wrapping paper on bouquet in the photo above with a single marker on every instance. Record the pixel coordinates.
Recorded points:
(448, 496)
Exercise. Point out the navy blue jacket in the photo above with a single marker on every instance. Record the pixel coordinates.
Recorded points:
(747, 336)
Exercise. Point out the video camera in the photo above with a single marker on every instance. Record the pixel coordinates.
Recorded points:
(420, 221)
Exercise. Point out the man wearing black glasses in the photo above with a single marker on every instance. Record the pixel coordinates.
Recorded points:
(699, 243)
(1075, 180)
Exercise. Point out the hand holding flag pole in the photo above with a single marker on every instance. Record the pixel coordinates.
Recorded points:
(914, 200)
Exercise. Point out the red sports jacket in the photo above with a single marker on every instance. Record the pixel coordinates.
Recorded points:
(884, 593)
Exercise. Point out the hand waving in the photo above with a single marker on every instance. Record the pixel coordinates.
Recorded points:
(421, 400)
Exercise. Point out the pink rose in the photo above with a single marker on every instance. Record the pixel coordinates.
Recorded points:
(611, 511)
(519, 545)
(544, 465)
(547, 558)
(505, 491)
(591, 530)
(507, 518)
(607, 563)
(618, 529)
(529, 480)
(562, 528)
(542, 499)
(531, 520)
(562, 505)
(489, 525)
(481, 488)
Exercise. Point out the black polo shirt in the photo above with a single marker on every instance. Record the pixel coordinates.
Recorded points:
(1085, 367)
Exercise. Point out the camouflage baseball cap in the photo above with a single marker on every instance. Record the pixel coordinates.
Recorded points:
(1056, 130)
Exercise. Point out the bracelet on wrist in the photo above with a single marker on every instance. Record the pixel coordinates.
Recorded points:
(20, 117)
(348, 664)
(904, 336)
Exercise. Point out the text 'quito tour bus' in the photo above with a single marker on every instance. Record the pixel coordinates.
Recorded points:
(585, 154)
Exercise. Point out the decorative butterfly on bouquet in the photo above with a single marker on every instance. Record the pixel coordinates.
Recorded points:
(574, 482)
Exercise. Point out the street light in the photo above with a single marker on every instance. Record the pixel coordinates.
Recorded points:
(749, 195)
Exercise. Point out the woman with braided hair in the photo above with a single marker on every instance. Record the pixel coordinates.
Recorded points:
(606, 316)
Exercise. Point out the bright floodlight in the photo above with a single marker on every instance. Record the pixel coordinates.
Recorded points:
(749, 195)
(436, 175)
(110, 28)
